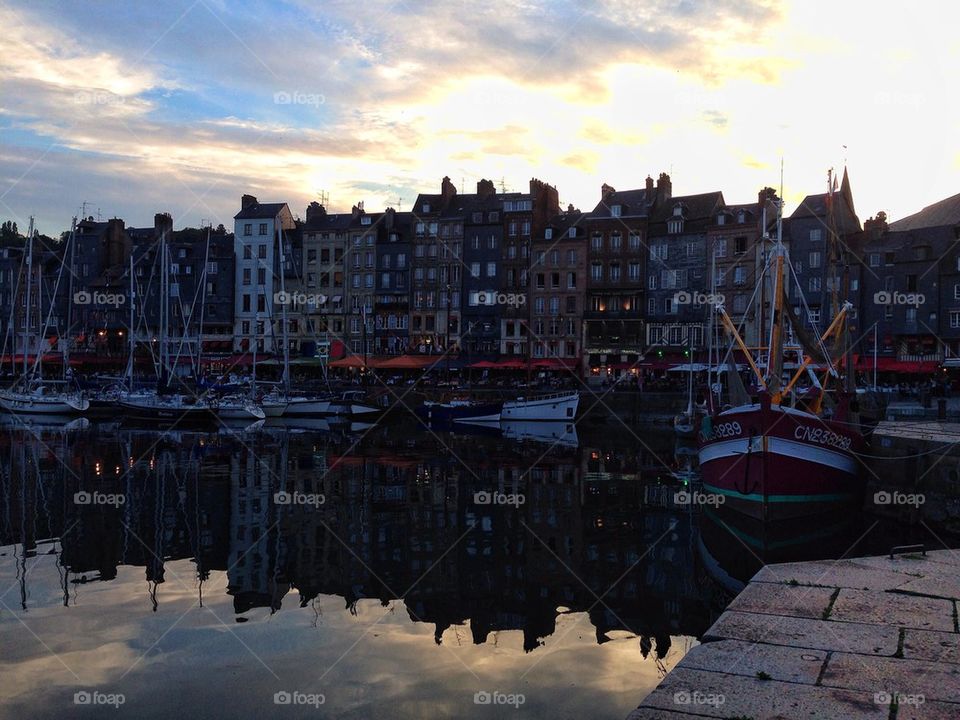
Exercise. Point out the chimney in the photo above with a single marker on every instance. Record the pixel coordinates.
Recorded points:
(606, 191)
(315, 211)
(117, 242)
(649, 187)
(162, 222)
(486, 188)
(247, 201)
(357, 210)
(571, 208)
(664, 189)
(447, 191)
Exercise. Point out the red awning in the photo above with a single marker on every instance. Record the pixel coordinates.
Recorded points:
(406, 362)
(556, 363)
(47, 357)
(483, 364)
(352, 361)
(511, 365)
(866, 363)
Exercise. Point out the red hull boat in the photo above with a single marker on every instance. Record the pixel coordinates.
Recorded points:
(771, 462)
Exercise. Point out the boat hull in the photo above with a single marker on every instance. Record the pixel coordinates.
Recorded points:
(167, 413)
(307, 407)
(466, 412)
(771, 463)
(24, 404)
(552, 407)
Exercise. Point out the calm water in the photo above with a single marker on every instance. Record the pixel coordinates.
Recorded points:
(389, 571)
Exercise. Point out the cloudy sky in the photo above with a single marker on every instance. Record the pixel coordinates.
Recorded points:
(182, 106)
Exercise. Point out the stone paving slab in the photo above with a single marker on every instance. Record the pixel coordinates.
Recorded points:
(934, 681)
(759, 699)
(806, 633)
(938, 586)
(831, 573)
(927, 711)
(736, 657)
(885, 608)
(930, 645)
(792, 601)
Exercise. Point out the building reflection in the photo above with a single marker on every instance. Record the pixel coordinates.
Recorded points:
(394, 514)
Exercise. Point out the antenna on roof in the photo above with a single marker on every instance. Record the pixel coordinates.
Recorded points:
(503, 185)
(399, 204)
(324, 198)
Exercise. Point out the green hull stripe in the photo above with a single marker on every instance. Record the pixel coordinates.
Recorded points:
(757, 497)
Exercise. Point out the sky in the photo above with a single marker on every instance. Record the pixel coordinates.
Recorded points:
(183, 106)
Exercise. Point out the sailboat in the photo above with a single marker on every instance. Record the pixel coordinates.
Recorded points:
(156, 405)
(31, 395)
(771, 460)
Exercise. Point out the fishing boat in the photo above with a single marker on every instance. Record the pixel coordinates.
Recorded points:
(556, 406)
(459, 411)
(779, 455)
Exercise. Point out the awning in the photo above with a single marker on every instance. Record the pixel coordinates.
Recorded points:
(410, 362)
(887, 364)
(351, 361)
(511, 365)
(483, 364)
(46, 357)
(556, 363)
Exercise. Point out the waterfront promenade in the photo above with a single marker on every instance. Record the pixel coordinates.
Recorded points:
(870, 637)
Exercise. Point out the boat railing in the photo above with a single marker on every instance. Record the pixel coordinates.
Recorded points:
(550, 396)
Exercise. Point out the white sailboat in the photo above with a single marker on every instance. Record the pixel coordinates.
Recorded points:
(31, 395)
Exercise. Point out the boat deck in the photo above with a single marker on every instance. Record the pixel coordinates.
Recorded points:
(870, 637)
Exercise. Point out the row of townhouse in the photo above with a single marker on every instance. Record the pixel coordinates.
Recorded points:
(493, 275)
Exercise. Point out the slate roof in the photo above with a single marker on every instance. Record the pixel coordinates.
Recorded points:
(633, 203)
(259, 211)
(698, 207)
(944, 212)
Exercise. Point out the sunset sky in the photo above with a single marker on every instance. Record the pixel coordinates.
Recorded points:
(140, 107)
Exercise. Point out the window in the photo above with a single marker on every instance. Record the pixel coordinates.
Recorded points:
(263, 228)
(554, 305)
(814, 259)
(615, 272)
(955, 319)
(875, 260)
(911, 283)
(596, 271)
(541, 281)
(739, 275)
(539, 306)
(571, 305)
(491, 269)
(740, 304)
(615, 242)
(261, 276)
(651, 306)
(401, 261)
(816, 235)
(571, 280)
(634, 241)
(246, 276)
(659, 251)
(615, 211)
(814, 284)
(675, 226)
(956, 292)
(512, 228)
(475, 270)
(596, 243)
(262, 252)
(633, 272)
(652, 282)
(248, 229)
(720, 247)
(571, 257)
(739, 246)
(247, 252)
(548, 234)
(911, 314)
(246, 303)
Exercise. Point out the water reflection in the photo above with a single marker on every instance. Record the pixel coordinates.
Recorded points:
(393, 514)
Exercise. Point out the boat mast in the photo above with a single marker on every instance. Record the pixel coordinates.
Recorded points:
(69, 323)
(203, 301)
(164, 306)
(131, 332)
(283, 315)
(26, 327)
